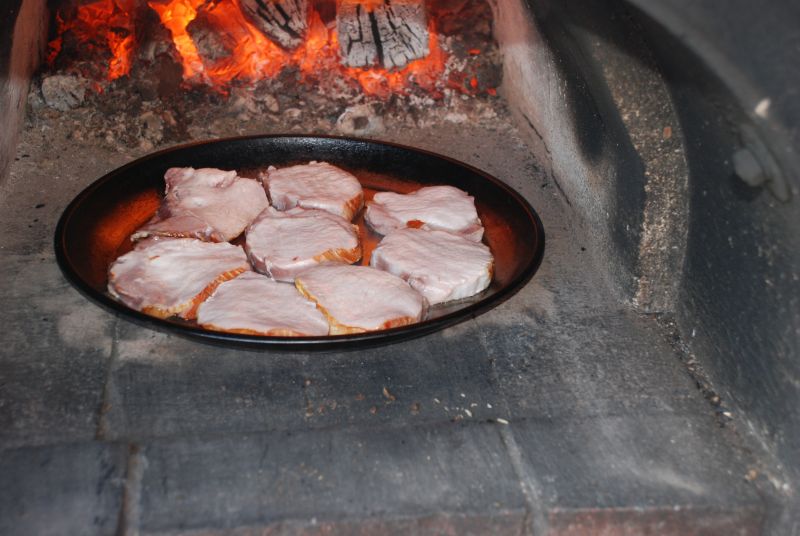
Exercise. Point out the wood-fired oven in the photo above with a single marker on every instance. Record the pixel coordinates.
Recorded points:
(646, 380)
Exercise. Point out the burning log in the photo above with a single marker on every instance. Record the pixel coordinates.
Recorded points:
(283, 21)
(212, 41)
(96, 33)
(386, 33)
(156, 64)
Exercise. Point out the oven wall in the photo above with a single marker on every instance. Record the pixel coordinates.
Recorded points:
(641, 129)
(584, 88)
(23, 33)
(585, 79)
(735, 87)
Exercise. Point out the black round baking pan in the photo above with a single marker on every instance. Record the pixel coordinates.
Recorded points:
(95, 227)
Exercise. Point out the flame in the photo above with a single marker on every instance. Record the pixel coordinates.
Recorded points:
(122, 51)
(98, 24)
(253, 56)
(175, 16)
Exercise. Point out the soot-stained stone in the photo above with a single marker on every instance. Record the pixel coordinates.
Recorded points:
(55, 350)
(66, 489)
(664, 471)
(596, 363)
(162, 385)
(63, 92)
(330, 475)
(443, 377)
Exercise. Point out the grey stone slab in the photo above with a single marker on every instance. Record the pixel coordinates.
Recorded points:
(675, 469)
(327, 476)
(48, 172)
(443, 377)
(65, 489)
(559, 354)
(54, 349)
(164, 386)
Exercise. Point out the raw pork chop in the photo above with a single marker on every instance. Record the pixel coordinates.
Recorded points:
(257, 305)
(209, 204)
(172, 277)
(283, 244)
(314, 185)
(443, 208)
(442, 266)
(356, 299)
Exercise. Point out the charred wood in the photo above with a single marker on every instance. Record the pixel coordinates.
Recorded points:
(156, 70)
(468, 19)
(283, 21)
(212, 41)
(389, 34)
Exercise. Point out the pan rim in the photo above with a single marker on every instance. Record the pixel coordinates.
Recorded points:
(346, 341)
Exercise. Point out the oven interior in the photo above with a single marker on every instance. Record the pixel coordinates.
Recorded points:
(645, 381)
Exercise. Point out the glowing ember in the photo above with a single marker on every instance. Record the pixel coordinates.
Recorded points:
(109, 24)
(175, 16)
(99, 26)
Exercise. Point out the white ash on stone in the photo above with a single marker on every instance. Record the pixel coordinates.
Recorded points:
(293, 115)
(360, 120)
(122, 120)
(455, 117)
(63, 92)
(254, 100)
(151, 128)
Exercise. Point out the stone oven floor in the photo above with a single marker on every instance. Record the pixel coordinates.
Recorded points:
(561, 411)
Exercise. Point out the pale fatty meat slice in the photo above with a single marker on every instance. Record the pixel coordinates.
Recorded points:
(356, 299)
(179, 226)
(209, 204)
(314, 185)
(442, 266)
(172, 277)
(283, 244)
(255, 304)
(440, 208)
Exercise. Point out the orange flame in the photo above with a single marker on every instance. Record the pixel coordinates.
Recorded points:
(253, 56)
(175, 16)
(103, 22)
